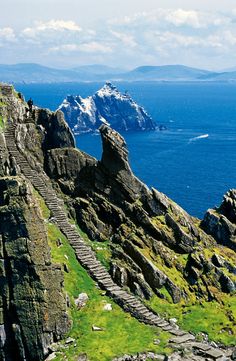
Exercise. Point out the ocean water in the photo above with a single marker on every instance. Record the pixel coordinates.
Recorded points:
(194, 160)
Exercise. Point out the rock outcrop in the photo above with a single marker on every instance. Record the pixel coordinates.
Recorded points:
(32, 305)
(106, 106)
(221, 222)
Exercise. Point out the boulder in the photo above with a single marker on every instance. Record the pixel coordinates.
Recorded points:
(82, 300)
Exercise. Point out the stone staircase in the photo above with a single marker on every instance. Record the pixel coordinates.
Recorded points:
(86, 257)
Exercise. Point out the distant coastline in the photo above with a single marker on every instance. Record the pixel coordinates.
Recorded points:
(35, 73)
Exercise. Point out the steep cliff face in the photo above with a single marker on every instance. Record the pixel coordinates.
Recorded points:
(32, 304)
(33, 310)
(106, 106)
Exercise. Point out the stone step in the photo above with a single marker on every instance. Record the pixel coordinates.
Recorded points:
(199, 346)
(75, 243)
(88, 257)
(104, 278)
(141, 308)
(119, 293)
(70, 232)
(182, 339)
(178, 332)
(135, 303)
(162, 323)
(101, 273)
(94, 265)
(113, 288)
(154, 318)
(84, 253)
(98, 268)
(106, 283)
(167, 328)
(214, 353)
(144, 313)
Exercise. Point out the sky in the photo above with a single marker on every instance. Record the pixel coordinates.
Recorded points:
(119, 33)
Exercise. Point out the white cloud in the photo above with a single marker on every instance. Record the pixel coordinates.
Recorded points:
(182, 17)
(7, 34)
(229, 37)
(126, 39)
(157, 37)
(95, 47)
(178, 40)
(175, 17)
(65, 47)
(52, 25)
(92, 47)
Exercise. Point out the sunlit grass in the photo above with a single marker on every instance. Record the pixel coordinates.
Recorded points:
(121, 333)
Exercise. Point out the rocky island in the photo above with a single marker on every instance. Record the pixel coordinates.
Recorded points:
(106, 106)
(97, 266)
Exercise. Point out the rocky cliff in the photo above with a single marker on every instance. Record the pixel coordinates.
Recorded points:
(32, 303)
(33, 309)
(153, 247)
(106, 106)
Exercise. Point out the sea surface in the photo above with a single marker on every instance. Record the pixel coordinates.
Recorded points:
(194, 160)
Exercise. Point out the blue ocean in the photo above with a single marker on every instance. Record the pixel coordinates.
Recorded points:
(194, 160)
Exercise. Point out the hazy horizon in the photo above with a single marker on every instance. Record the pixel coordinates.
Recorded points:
(128, 34)
(116, 67)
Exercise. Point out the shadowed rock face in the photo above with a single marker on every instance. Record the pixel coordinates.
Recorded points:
(32, 305)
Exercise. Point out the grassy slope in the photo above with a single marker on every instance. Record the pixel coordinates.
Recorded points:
(122, 333)
(217, 319)
(1, 122)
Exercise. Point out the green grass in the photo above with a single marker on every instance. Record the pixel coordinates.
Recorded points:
(1, 122)
(102, 249)
(215, 319)
(122, 333)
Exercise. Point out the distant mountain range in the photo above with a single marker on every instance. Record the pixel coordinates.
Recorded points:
(35, 73)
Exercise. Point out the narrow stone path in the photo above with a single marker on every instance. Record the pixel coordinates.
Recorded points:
(86, 257)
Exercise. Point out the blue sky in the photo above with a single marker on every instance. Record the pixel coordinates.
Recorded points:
(120, 33)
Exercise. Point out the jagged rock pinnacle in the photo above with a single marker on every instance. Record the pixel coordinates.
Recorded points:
(115, 153)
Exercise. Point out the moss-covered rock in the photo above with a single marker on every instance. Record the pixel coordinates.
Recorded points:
(32, 304)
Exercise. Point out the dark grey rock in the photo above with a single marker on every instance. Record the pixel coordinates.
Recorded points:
(233, 356)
